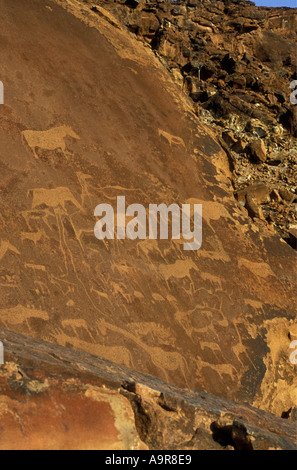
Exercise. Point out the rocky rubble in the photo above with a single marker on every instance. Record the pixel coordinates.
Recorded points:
(236, 61)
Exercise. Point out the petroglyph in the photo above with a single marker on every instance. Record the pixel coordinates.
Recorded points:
(75, 324)
(51, 139)
(212, 278)
(19, 315)
(32, 236)
(53, 197)
(259, 269)
(191, 318)
(39, 267)
(212, 210)
(148, 248)
(83, 181)
(171, 139)
(180, 269)
(5, 247)
(118, 354)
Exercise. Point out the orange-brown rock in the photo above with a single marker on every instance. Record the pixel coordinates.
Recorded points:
(258, 151)
(52, 398)
(90, 113)
(237, 62)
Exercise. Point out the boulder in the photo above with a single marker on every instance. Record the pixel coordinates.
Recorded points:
(257, 151)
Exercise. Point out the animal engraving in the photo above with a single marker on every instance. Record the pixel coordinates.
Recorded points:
(171, 139)
(52, 139)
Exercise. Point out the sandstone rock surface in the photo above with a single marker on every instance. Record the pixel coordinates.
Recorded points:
(91, 113)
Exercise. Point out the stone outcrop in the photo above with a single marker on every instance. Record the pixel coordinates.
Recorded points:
(92, 113)
(54, 398)
(236, 61)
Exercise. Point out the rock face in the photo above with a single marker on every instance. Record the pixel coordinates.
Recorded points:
(236, 62)
(90, 113)
(54, 398)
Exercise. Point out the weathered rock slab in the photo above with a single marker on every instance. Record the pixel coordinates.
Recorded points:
(54, 398)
